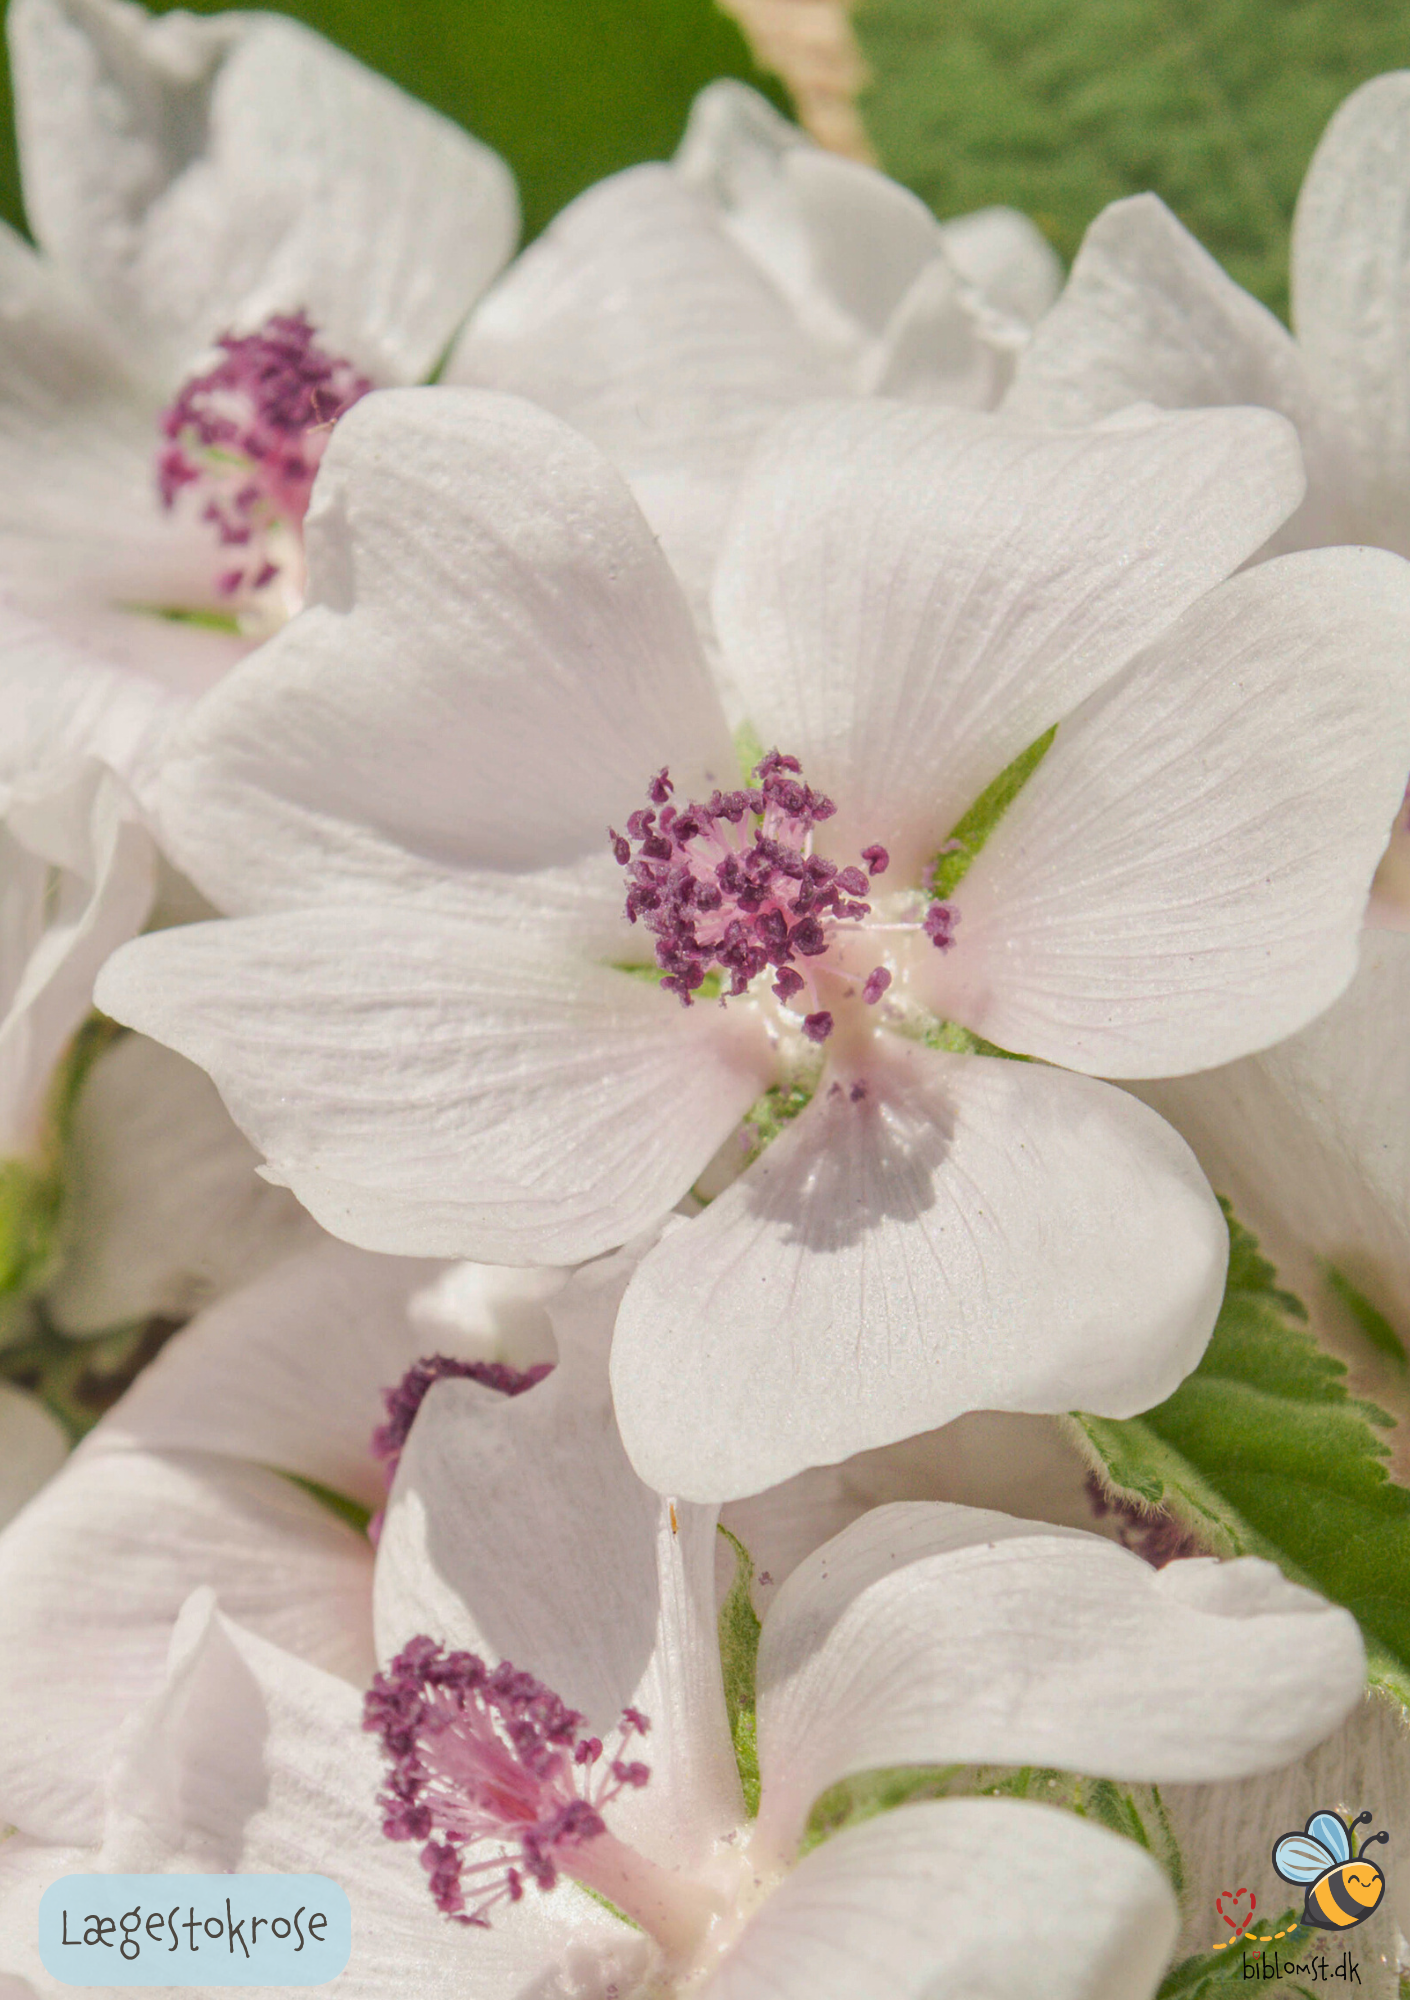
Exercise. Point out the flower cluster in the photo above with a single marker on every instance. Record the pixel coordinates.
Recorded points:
(761, 1271)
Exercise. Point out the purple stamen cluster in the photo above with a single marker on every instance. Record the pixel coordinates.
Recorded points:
(716, 895)
(405, 1398)
(250, 433)
(482, 1753)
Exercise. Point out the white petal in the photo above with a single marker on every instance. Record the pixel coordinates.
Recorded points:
(439, 1089)
(1315, 1134)
(1006, 258)
(27, 1867)
(1183, 878)
(289, 1371)
(32, 1448)
(910, 597)
(251, 1761)
(960, 1900)
(60, 701)
(94, 1572)
(200, 175)
(163, 1208)
(638, 319)
(1351, 295)
(927, 1634)
(943, 1243)
(1148, 316)
(494, 661)
(76, 868)
(493, 1491)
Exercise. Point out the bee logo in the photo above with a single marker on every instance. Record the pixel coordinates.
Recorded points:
(1344, 1887)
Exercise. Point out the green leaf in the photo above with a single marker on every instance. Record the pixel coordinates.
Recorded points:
(739, 1653)
(1214, 1972)
(1059, 109)
(566, 90)
(1135, 1812)
(1261, 1451)
(953, 861)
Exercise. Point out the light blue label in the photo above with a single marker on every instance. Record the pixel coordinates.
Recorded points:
(194, 1930)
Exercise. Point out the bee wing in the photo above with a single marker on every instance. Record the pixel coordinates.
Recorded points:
(1330, 1829)
(1300, 1858)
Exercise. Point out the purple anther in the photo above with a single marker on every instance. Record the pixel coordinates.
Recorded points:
(481, 1754)
(405, 1398)
(877, 860)
(939, 925)
(721, 897)
(817, 1027)
(248, 436)
(877, 982)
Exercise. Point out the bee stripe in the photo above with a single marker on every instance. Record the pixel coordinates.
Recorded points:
(1337, 1901)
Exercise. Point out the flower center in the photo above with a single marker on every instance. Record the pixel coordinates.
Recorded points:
(245, 440)
(734, 887)
(489, 1757)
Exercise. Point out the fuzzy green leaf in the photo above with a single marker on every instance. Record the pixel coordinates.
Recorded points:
(1372, 1322)
(1059, 109)
(1215, 1972)
(739, 1654)
(1261, 1451)
(1135, 1812)
(566, 90)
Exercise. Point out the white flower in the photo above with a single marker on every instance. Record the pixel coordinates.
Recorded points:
(1311, 1136)
(190, 180)
(673, 311)
(516, 1529)
(428, 1033)
(77, 871)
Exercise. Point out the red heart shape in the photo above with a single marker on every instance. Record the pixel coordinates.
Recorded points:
(1235, 1897)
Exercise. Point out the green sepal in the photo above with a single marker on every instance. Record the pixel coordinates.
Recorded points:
(1211, 1972)
(349, 1510)
(32, 1189)
(1262, 1451)
(969, 834)
(739, 1655)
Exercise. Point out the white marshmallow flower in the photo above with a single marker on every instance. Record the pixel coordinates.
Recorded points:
(673, 311)
(240, 229)
(516, 1530)
(1309, 1136)
(440, 1029)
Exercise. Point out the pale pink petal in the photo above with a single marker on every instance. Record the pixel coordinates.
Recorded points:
(909, 597)
(928, 1634)
(436, 1088)
(1183, 878)
(92, 1576)
(494, 661)
(940, 1242)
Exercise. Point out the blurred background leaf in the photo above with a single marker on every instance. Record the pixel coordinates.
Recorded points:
(567, 90)
(1060, 106)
